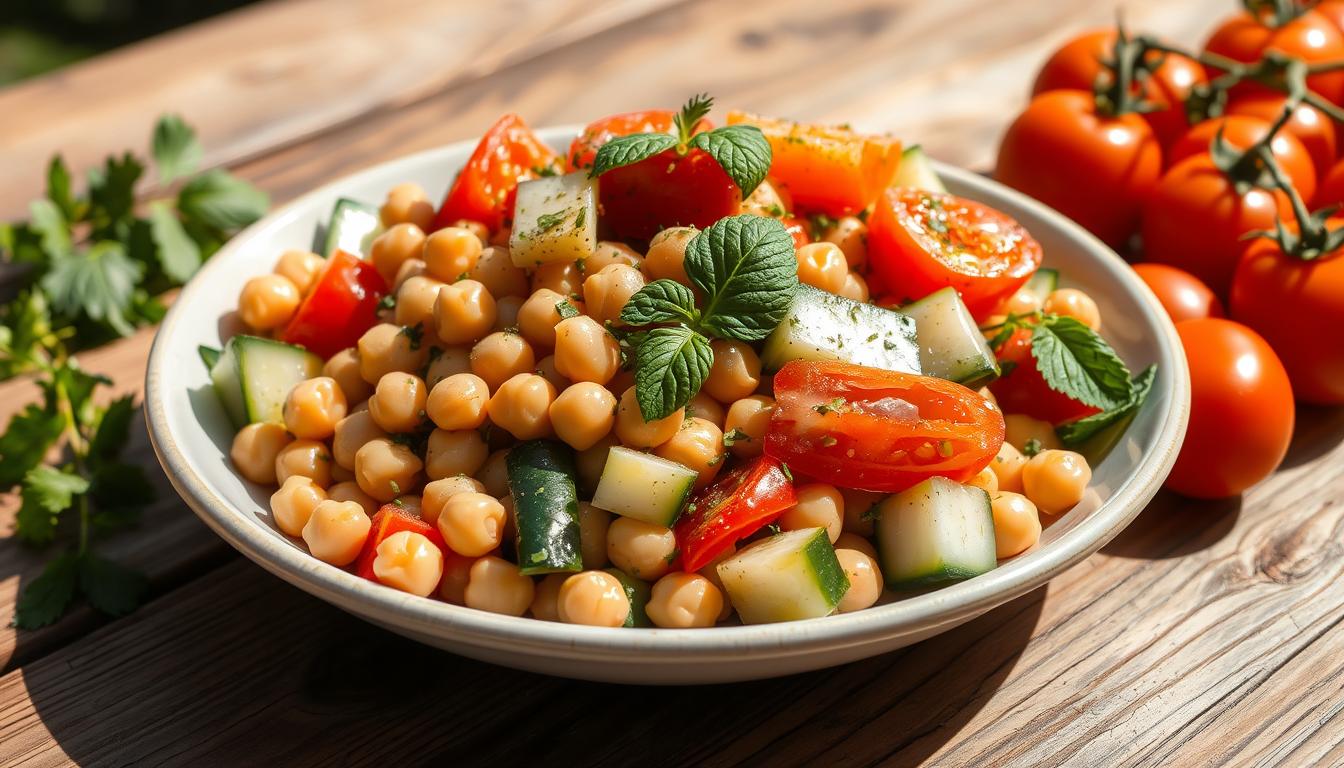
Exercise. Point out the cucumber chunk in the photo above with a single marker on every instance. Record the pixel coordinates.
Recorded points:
(209, 355)
(823, 326)
(352, 227)
(916, 171)
(935, 532)
(253, 377)
(637, 592)
(554, 219)
(788, 576)
(1043, 282)
(546, 507)
(643, 486)
(950, 344)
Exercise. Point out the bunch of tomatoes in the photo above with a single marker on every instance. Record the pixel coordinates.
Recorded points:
(1218, 171)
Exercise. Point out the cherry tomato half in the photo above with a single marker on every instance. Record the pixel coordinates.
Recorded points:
(1022, 389)
(736, 506)
(485, 189)
(1308, 125)
(876, 430)
(1180, 293)
(1241, 410)
(342, 305)
(921, 241)
(1310, 37)
(392, 519)
(1242, 131)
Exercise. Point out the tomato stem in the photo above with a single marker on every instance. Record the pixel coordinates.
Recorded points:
(1313, 238)
(1273, 13)
(1129, 66)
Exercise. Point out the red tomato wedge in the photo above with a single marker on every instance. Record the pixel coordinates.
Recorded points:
(827, 169)
(921, 241)
(584, 147)
(342, 305)
(736, 506)
(1022, 389)
(485, 189)
(392, 519)
(876, 430)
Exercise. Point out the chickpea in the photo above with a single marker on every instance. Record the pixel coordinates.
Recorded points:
(458, 402)
(398, 402)
(408, 269)
(563, 277)
(349, 491)
(451, 253)
(408, 561)
(594, 598)
(766, 200)
(415, 301)
(746, 423)
(623, 380)
(344, 368)
(735, 373)
(985, 479)
(865, 580)
(494, 474)
(448, 362)
(464, 312)
(352, 433)
(1017, 524)
(858, 510)
(697, 444)
(681, 600)
(583, 414)
(521, 406)
(268, 302)
(1007, 466)
(855, 288)
(538, 317)
(822, 265)
(335, 531)
(407, 203)
(666, 256)
(386, 348)
(585, 351)
(472, 523)
(340, 474)
(510, 519)
(546, 599)
(300, 267)
(385, 469)
(850, 235)
(313, 407)
(255, 449)
(711, 571)
(394, 247)
(409, 504)
(293, 504)
(819, 506)
(590, 463)
(1055, 480)
(309, 458)
(641, 549)
(1021, 429)
(608, 253)
(437, 493)
(1023, 302)
(546, 369)
(990, 326)
(702, 406)
(506, 314)
(606, 292)
(456, 575)
(1071, 302)
(593, 524)
(460, 452)
(496, 271)
(857, 543)
(635, 432)
(496, 585)
(501, 356)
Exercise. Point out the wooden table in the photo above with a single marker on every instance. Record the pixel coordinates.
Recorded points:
(1207, 633)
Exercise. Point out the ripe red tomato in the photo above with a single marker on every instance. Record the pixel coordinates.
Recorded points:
(1242, 131)
(1180, 293)
(1308, 125)
(736, 506)
(485, 189)
(595, 134)
(1096, 170)
(1241, 410)
(1333, 11)
(1077, 65)
(1195, 220)
(342, 305)
(1310, 37)
(920, 241)
(1022, 389)
(1331, 189)
(859, 427)
(1298, 306)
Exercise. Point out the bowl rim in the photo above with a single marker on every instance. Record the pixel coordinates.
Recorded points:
(943, 607)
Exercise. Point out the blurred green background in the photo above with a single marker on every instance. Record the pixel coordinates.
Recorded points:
(38, 36)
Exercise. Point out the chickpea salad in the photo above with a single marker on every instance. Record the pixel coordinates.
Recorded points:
(681, 375)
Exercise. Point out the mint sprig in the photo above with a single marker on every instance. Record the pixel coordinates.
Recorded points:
(1076, 433)
(1075, 361)
(671, 364)
(662, 301)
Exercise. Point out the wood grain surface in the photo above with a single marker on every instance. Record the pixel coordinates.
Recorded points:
(1206, 634)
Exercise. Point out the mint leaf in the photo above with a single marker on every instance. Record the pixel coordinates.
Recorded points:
(1078, 432)
(113, 429)
(113, 589)
(46, 219)
(662, 301)
(112, 191)
(741, 151)
(47, 492)
(222, 201)
(96, 283)
(670, 366)
(58, 188)
(25, 441)
(745, 268)
(1077, 362)
(176, 151)
(45, 599)
(625, 150)
(178, 254)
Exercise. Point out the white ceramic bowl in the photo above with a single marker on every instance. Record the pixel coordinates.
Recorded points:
(192, 436)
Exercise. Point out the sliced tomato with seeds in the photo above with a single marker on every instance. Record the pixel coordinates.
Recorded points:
(342, 305)
(485, 189)
(876, 430)
(391, 519)
(736, 506)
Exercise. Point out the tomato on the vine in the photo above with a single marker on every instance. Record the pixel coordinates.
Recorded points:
(1309, 36)
(1242, 131)
(1308, 125)
(485, 189)
(1180, 293)
(1022, 389)
(1331, 189)
(1095, 169)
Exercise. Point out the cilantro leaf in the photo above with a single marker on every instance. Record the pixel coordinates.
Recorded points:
(222, 201)
(178, 254)
(45, 218)
(662, 301)
(97, 283)
(58, 188)
(25, 325)
(1077, 362)
(670, 366)
(77, 385)
(1078, 432)
(47, 492)
(111, 588)
(626, 150)
(176, 151)
(30, 433)
(745, 268)
(45, 599)
(741, 151)
(114, 429)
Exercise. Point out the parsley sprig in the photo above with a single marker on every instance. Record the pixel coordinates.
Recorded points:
(746, 273)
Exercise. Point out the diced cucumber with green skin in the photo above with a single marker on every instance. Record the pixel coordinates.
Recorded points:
(637, 592)
(788, 576)
(253, 376)
(1043, 282)
(643, 486)
(352, 228)
(823, 326)
(916, 171)
(554, 219)
(209, 355)
(950, 344)
(935, 532)
(546, 507)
